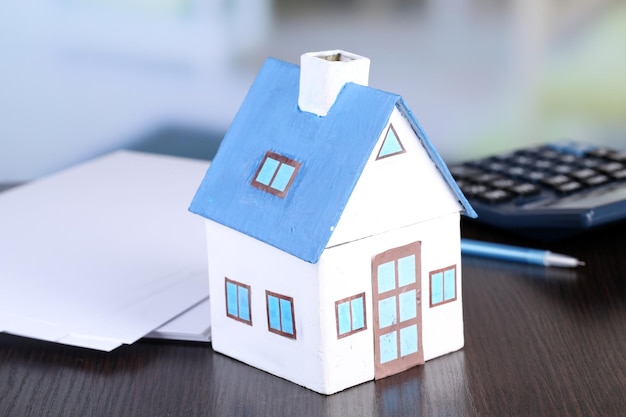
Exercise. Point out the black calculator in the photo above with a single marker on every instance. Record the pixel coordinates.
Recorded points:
(547, 192)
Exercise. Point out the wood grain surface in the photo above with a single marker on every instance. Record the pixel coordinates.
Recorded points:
(539, 342)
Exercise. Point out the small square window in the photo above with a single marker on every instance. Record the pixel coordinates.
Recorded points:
(275, 174)
(350, 314)
(238, 301)
(280, 315)
(443, 286)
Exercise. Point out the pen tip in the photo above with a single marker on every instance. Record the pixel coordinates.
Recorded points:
(581, 263)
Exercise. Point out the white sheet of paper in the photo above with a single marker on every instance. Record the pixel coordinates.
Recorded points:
(191, 325)
(103, 253)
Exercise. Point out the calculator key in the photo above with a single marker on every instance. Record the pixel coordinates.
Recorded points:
(568, 159)
(547, 153)
(486, 177)
(464, 171)
(523, 160)
(597, 180)
(591, 162)
(619, 175)
(462, 183)
(525, 189)
(503, 183)
(611, 167)
(495, 166)
(472, 190)
(543, 164)
(556, 181)
(495, 196)
(568, 187)
(563, 169)
(617, 156)
(515, 171)
(536, 176)
(584, 173)
(599, 152)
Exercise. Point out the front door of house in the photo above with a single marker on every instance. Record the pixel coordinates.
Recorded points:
(396, 289)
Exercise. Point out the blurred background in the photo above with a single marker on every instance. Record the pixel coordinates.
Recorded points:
(79, 78)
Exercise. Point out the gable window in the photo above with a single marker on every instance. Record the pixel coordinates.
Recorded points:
(391, 145)
(280, 315)
(238, 301)
(350, 314)
(275, 174)
(443, 286)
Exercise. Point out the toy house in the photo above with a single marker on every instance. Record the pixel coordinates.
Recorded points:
(332, 228)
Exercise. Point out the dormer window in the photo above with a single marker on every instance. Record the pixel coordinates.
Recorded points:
(391, 145)
(275, 174)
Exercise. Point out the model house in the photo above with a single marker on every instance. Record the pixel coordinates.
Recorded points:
(332, 228)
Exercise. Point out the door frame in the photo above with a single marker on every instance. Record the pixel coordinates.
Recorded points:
(402, 363)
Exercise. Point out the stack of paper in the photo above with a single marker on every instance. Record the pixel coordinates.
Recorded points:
(105, 253)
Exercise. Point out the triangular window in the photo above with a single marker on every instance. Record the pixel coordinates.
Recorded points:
(275, 174)
(391, 144)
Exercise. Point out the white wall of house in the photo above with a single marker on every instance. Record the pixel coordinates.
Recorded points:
(395, 191)
(244, 259)
(318, 359)
(346, 270)
(442, 325)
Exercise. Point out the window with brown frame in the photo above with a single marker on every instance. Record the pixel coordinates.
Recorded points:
(280, 314)
(275, 174)
(443, 286)
(238, 301)
(350, 313)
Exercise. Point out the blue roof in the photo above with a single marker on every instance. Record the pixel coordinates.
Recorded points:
(332, 151)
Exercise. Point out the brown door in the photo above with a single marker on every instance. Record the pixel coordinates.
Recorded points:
(396, 289)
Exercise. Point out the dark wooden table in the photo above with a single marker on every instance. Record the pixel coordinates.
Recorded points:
(539, 342)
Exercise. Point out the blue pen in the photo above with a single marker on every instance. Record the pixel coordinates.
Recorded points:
(517, 254)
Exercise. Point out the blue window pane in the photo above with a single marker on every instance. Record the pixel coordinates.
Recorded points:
(273, 310)
(406, 270)
(388, 347)
(449, 285)
(436, 295)
(408, 340)
(231, 299)
(408, 305)
(391, 144)
(285, 316)
(282, 177)
(358, 314)
(386, 277)
(244, 303)
(267, 171)
(343, 315)
(387, 312)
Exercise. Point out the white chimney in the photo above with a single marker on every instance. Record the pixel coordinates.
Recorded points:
(323, 75)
